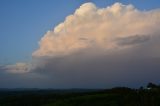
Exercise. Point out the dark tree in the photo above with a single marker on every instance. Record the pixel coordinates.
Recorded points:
(141, 88)
(151, 85)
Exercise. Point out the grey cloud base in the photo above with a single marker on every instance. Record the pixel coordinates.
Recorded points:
(89, 71)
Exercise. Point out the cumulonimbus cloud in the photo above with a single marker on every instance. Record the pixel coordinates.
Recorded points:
(97, 46)
(90, 26)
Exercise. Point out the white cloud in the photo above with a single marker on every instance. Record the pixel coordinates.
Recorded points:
(91, 27)
(17, 68)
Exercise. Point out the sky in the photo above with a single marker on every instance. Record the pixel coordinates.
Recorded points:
(79, 43)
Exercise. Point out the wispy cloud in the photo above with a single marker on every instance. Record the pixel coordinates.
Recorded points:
(17, 68)
(131, 40)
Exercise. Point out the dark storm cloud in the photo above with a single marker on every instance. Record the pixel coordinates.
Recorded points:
(88, 71)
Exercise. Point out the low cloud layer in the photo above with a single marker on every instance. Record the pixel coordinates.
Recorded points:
(17, 68)
(96, 48)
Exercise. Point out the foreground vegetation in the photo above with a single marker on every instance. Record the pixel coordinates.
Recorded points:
(120, 96)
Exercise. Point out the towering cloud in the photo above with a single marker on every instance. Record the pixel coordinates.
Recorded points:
(98, 47)
(105, 28)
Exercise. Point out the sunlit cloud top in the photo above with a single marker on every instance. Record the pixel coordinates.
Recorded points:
(108, 28)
